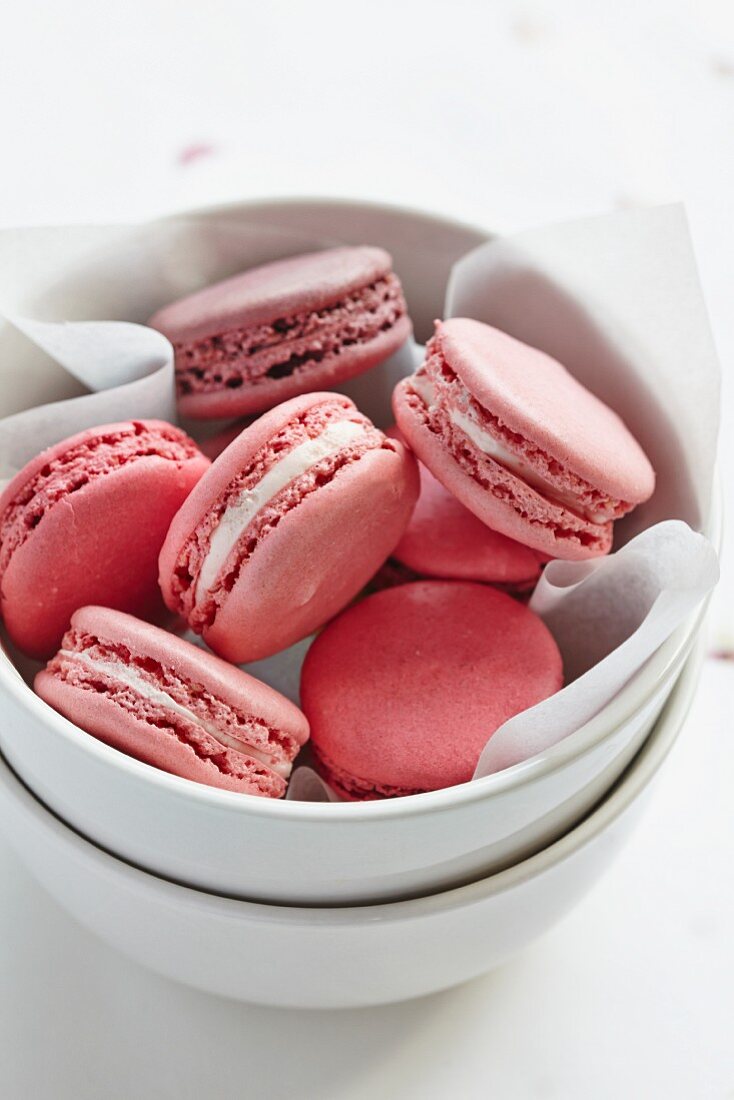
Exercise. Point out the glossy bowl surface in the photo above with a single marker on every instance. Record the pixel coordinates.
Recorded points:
(293, 852)
(338, 957)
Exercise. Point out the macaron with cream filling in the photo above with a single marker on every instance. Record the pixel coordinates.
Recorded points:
(522, 444)
(289, 524)
(170, 704)
(445, 540)
(285, 328)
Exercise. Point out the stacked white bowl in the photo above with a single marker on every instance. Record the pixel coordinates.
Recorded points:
(332, 957)
(320, 904)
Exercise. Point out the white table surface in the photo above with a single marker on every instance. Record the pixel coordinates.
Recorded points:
(507, 114)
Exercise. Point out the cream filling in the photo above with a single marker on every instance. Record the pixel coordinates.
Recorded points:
(148, 691)
(240, 514)
(487, 444)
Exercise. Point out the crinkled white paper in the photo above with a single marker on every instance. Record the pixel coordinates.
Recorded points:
(306, 785)
(615, 298)
(68, 297)
(607, 616)
(124, 369)
(618, 301)
(128, 369)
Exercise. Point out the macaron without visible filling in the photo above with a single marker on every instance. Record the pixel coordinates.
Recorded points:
(286, 328)
(509, 432)
(84, 522)
(444, 539)
(166, 702)
(287, 526)
(403, 690)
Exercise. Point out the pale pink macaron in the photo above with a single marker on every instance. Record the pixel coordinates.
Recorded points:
(403, 690)
(289, 327)
(287, 526)
(513, 436)
(168, 703)
(445, 540)
(84, 522)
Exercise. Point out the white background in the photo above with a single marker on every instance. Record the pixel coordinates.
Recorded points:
(506, 114)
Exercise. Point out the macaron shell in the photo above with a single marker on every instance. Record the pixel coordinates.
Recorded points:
(331, 371)
(308, 282)
(318, 557)
(404, 689)
(444, 539)
(99, 546)
(101, 717)
(543, 526)
(536, 397)
(193, 664)
(235, 457)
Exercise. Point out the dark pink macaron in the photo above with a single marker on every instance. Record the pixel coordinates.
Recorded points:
(84, 522)
(510, 433)
(403, 690)
(286, 328)
(445, 540)
(168, 703)
(287, 526)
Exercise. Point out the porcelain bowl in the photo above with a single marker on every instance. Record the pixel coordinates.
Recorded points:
(293, 852)
(336, 957)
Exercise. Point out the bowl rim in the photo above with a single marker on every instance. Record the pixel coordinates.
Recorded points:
(323, 202)
(625, 792)
(661, 666)
(632, 698)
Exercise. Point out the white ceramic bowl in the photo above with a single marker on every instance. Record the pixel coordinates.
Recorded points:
(292, 852)
(330, 958)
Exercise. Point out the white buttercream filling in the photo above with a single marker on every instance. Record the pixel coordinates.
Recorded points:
(425, 389)
(149, 692)
(485, 442)
(241, 512)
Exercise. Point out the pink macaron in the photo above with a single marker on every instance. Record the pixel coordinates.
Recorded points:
(84, 522)
(286, 328)
(445, 540)
(523, 445)
(403, 690)
(168, 703)
(287, 526)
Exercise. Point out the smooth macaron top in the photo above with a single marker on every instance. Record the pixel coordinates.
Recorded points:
(534, 396)
(84, 522)
(275, 290)
(403, 689)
